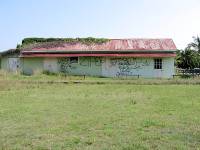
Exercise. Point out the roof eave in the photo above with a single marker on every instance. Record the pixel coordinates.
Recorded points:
(158, 55)
(97, 51)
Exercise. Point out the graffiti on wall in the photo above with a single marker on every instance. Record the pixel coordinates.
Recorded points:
(127, 65)
(65, 65)
(90, 61)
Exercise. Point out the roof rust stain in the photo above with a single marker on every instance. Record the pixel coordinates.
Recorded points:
(114, 44)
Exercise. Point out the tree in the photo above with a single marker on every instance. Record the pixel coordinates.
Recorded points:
(178, 60)
(188, 59)
(196, 44)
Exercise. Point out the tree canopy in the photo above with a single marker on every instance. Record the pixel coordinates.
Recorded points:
(189, 58)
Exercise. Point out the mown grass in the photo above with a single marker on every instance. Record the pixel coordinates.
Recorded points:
(98, 116)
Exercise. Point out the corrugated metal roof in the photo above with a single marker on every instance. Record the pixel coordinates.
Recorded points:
(10, 51)
(112, 45)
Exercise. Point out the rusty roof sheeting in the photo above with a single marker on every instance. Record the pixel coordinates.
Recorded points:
(10, 51)
(111, 45)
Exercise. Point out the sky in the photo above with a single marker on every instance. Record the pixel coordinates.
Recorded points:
(176, 19)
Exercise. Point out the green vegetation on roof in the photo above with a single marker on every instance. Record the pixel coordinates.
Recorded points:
(87, 41)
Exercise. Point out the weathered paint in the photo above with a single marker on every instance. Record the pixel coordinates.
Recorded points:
(85, 66)
(14, 64)
(113, 67)
(51, 65)
(144, 67)
(168, 67)
(4, 63)
(11, 63)
(98, 66)
(32, 65)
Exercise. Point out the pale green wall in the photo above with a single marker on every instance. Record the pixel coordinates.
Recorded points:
(98, 66)
(112, 67)
(4, 63)
(86, 66)
(144, 67)
(168, 67)
(32, 65)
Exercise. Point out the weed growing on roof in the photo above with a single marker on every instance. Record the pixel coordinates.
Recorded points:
(87, 41)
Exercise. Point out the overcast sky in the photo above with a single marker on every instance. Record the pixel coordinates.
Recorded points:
(177, 19)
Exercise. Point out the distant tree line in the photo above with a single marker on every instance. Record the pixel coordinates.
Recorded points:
(189, 58)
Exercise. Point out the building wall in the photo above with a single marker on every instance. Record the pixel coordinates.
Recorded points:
(168, 67)
(51, 65)
(96, 66)
(32, 65)
(11, 63)
(112, 67)
(4, 63)
(85, 66)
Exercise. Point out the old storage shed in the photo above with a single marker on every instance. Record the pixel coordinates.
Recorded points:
(10, 61)
(148, 58)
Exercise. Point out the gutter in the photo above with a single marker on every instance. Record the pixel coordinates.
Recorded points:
(95, 52)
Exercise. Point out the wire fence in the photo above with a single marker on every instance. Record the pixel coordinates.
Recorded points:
(187, 72)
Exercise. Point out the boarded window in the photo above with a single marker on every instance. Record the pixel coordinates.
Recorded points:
(73, 60)
(157, 63)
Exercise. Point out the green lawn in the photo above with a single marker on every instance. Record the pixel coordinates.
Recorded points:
(98, 116)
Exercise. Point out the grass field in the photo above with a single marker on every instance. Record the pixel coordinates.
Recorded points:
(36, 115)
